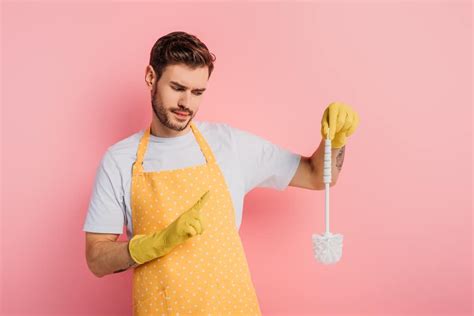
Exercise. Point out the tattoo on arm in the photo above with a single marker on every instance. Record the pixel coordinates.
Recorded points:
(340, 158)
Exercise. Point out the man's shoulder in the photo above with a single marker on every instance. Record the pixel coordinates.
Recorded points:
(124, 149)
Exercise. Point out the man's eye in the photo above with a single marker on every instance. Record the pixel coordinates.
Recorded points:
(181, 89)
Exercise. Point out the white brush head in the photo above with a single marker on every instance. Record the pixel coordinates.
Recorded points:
(327, 248)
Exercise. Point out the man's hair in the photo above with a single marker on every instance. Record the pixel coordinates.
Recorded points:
(180, 48)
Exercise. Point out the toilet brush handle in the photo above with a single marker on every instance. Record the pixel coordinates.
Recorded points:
(327, 176)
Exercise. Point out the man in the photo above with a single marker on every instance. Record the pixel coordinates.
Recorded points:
(178, 186)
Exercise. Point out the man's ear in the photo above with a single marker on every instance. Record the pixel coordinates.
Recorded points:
(150, 77)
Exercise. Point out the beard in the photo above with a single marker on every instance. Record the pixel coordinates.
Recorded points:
(166, 117)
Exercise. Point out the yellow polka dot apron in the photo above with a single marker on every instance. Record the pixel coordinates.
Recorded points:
(206, 275)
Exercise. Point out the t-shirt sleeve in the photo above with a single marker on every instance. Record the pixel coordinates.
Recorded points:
(262, 163)
(106, 208)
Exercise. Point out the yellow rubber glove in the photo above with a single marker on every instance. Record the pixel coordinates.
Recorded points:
(342, 121)
(143, 248)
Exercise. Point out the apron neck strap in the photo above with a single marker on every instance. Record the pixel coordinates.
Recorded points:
(143, 144)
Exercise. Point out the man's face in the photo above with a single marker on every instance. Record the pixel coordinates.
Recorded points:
(177, 94)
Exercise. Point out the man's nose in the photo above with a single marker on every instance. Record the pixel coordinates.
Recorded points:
(186, 103)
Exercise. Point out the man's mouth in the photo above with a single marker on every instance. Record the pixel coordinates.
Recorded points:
(181, 114)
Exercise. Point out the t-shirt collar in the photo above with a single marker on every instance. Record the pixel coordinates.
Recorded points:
(173, 140)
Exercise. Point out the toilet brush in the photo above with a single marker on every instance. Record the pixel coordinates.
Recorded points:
(327, 248)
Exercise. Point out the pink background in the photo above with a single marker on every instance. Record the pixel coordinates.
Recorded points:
(73, 84)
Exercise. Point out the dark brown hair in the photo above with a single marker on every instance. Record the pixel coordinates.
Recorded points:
(180, 48)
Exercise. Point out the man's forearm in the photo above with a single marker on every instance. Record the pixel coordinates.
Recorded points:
(110, 257)
(317, 161)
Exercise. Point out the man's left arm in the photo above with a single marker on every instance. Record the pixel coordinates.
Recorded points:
(342, 121)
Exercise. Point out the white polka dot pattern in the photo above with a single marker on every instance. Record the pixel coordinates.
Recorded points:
(206, 275)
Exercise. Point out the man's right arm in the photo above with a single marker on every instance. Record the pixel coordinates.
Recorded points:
(106, 255)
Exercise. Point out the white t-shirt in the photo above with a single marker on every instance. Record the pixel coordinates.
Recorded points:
(246, 160)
